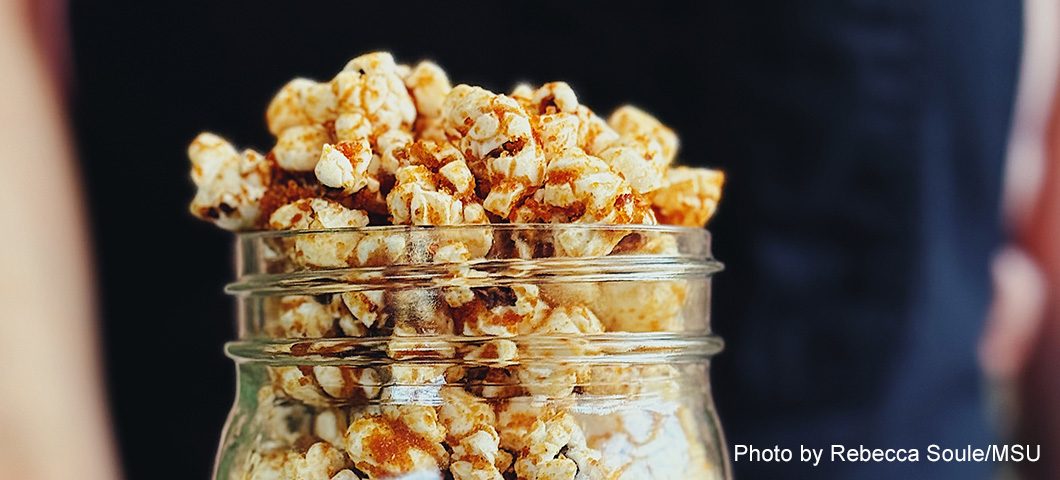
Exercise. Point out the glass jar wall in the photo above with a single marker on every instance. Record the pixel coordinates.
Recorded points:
(474, 352)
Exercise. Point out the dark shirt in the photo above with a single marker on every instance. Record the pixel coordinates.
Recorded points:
(870, 137)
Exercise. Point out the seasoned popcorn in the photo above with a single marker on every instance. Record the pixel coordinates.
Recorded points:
(298, 148)
(689, 196)
(497, 135)
(347, 383)
(346, 165)
(399, 440)
(302, 316)
(230, 184)
(472, 381)
(641, 306)
(469, 423)
(302, 102)
(316, 213)
(429, 86)
(502, 311)
(640, 126)
(371, 85)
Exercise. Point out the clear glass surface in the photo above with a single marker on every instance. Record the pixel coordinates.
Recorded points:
(474, 352)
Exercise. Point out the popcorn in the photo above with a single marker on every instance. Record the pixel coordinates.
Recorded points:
(298, 383)
(642, 165)
(402, 439)
(540, 433)
(634, 123)
(320, 462)
(429, 86)
(416, 200)
(331, 425)
(298, 148)
(549, 99)
(641, 306)
(229, 184)
(352, 127)
(366, 307)
(302, 102)
(387, 147)
(645, 444)
(501, 311)
(347, 383)
(496, 133)
(371, 85)
(635, 381)
(315, 213)
(345, 166)
(689, 196)
(302, 316)
(383, 142)
(284, 421)
(468, 421)
(540, 376)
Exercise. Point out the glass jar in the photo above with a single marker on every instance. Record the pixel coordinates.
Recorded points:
(474, 352)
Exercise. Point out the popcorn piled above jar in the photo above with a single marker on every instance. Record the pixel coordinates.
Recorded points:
(469, 380)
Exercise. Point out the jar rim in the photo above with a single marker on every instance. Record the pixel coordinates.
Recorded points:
(612, 348)
(687, 257)
(589, 227)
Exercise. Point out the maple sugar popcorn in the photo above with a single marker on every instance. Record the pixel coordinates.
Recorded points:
(388, 144)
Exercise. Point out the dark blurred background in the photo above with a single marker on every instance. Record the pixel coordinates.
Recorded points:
(863, 143)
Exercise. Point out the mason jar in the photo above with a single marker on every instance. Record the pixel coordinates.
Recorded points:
(474, 352)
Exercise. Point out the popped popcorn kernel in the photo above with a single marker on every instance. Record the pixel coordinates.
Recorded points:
(302, 316)
(345, 166)
(463, 414)
(299, 385)
(367, 307)
(502, 311)
(301, 102)
(636, 124)
(497, 135)
(348, 383)
(352, 127)
(402, 439)
(229, 184)
(330, 425)
(641, 306)
(548, 99)
(642, 165)
(688, 197)
(542, 376)
(298, 148)
(315, 213)
(371, 85)
(429, 85)
(320, 462)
